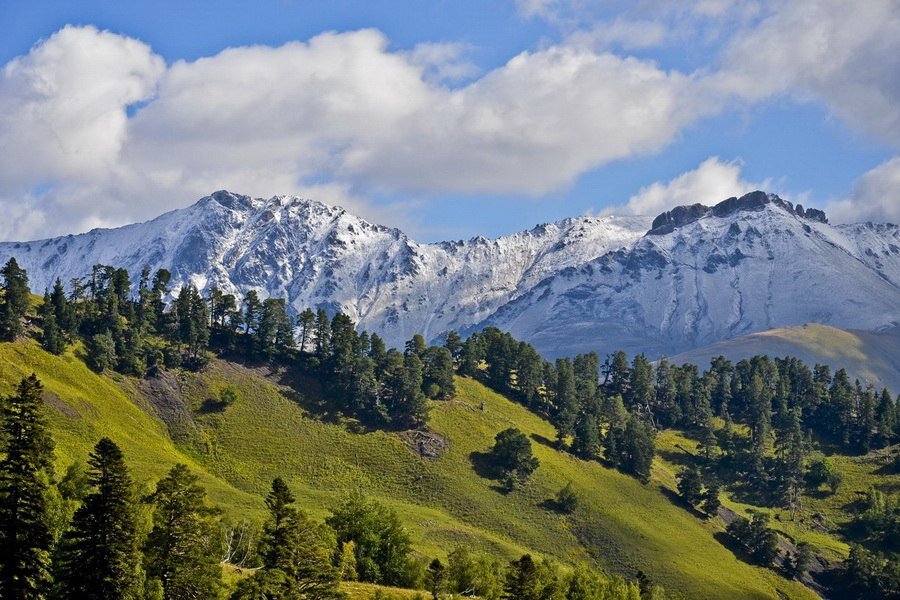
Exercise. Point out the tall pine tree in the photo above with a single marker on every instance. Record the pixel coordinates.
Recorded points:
(25, 471)
(180, 550)
(99, 557)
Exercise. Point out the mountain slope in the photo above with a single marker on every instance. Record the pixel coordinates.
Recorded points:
(621, 523)
(870, 356)
(693, 276)
(753, 265)
(322, 256)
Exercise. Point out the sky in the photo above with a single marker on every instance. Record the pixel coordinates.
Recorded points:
(448, 119)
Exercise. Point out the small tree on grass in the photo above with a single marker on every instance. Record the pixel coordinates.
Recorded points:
(513, 456)
(711, 502)
(567, 499)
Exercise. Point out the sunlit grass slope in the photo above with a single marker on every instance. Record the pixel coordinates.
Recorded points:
(623, 524)
(84, 406)
(871, 356)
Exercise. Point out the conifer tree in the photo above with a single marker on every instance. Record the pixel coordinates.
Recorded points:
(13, 300)
(690, 485)
(180, 550)
(25, 474)
(51, 335)
(522, 580)
(296, 554)
(306, 320)
(99, 557)
(436, 578)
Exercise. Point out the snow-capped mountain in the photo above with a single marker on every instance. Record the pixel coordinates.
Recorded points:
(691, 276)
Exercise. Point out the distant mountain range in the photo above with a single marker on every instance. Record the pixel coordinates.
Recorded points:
(693, 276)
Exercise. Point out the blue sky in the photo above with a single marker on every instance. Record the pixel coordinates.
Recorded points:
(448, 119)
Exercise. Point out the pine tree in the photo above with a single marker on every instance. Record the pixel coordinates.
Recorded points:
(586, 443)
(13, 300)
(711, 501)
(436, 578)
(522, 580)
(51, 335)
(639, 448)
(296, 554)
(566, 400)
(306, 320)
(25, 472)
(690, 485)
(99, 557)
(180, 550)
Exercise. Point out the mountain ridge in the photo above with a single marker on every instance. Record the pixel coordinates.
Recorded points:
(582, 283)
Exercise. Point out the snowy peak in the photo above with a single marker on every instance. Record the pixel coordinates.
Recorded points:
(694, 275)
(683, 215)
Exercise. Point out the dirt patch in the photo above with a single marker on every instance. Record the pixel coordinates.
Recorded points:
(426, 444)
(51, 399)
(163, 393)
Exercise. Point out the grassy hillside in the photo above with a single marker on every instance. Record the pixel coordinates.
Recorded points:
(624, 525)
(872, 357)
(621, 523)
(85, 407)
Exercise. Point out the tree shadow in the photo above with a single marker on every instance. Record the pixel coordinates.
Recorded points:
(483, 465)
(678, 501)
(543, 441)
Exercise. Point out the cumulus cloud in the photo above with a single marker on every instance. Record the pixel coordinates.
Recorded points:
(875, 197)
(711, 182)
(341, 108)
(844, 54)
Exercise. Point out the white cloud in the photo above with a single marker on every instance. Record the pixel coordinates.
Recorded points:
(875, 197)
(341, 109)
(62, 106)
(711, 182)
(845, 54)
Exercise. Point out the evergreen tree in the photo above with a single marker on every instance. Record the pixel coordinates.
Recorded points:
(639, 448)
(101, 352)
(25, 473)
(306, 320)
(14, 295)
(586, 443)
(711, 501)
(522, 580)
(566, 399)
(454, 345)
(513, 457)
(99, 557)
(382, 545)
(690, 485)
(296, 554)
(437, 375)
(180, 550)
(51, 335)
(436, 578)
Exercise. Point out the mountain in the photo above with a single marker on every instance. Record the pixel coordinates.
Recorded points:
(870, 356)
(703, 275)
(692, 276)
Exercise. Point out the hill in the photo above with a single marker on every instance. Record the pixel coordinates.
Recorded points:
(276, 429)
(870, 356)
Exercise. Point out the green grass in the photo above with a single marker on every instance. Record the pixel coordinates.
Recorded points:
(621, 524)
(85, 407)
(823, 516)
